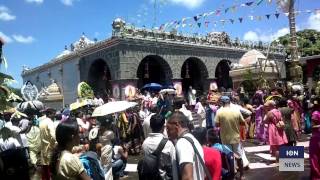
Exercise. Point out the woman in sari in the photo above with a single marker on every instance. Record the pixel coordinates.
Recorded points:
(314, 147)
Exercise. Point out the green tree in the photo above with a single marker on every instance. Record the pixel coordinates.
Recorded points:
(308, 42)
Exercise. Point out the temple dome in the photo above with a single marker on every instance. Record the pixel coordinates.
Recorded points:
(118, 23)
(53, 88)
(251, 58)
(82, 43)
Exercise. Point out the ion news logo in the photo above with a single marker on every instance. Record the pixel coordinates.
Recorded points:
(291, 158)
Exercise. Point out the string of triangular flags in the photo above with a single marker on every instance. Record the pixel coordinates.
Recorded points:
(183, 23)
(217, 12)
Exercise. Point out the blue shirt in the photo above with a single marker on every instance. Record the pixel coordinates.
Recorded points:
(222, 148)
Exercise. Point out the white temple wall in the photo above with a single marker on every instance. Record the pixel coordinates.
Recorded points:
(71, 78)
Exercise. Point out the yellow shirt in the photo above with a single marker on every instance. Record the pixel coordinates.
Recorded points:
(47, 134)
(69, 166)
(229, 119)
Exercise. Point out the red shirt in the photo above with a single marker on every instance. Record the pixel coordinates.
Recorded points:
(212, 159)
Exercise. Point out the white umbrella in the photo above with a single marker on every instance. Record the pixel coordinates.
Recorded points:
(113, 107)
(169, 91)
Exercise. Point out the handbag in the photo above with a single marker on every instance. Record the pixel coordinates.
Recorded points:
(280, 124)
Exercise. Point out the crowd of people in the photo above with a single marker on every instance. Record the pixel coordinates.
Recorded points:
(179, 138)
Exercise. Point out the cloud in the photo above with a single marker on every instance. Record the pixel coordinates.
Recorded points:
(5, 14)
(23, 39)
(251, 36)
(314, 21)
(35, 1)
(265, 37)
(190, 4)
(68, 2)
(6, 38)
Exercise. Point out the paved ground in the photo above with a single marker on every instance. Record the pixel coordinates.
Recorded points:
(261, 165)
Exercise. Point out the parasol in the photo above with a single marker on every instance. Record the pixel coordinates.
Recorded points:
(113, 107)
(152, 86)
(169, 91)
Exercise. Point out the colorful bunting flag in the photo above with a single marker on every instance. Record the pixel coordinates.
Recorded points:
(249, 3)
(226, 10)
(199, 24)
(195, 18)
(218, 12)
(259, 18)
(206, 23)
(268, 16)
(161, 27)
(277, 15)
(232, 21)
(233, 8)
(210, 13)
(259, 2)
(240, 20)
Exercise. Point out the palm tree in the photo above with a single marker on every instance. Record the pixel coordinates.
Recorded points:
(4, 90)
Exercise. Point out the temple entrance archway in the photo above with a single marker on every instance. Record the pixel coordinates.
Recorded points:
(194, 73)
(99, 78)
(154, 69)
(223, 78)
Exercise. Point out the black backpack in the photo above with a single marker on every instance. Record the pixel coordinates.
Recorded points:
(148, 166)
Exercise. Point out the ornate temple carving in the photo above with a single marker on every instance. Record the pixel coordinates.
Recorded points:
(51, 93)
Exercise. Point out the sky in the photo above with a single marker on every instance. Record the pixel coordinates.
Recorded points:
(36, 31)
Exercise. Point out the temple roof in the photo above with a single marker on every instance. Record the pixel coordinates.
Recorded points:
(64, 53)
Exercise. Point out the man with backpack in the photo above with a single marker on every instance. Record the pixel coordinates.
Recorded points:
(159, 154)
(189, 151)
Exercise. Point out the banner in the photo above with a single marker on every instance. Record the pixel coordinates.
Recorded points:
(178, 86)
(116, 91)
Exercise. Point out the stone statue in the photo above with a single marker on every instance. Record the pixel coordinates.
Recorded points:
(317, 91)
(296, 72)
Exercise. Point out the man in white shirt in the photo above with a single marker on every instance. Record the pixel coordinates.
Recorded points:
(168, 155)
(190, 167)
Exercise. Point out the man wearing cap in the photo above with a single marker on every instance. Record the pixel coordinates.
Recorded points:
(229, 120)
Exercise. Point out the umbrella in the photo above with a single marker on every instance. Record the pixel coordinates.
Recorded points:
(169, 91)
(152, 86)
(113, 107)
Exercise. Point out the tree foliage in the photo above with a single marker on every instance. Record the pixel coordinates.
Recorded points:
(308, 42)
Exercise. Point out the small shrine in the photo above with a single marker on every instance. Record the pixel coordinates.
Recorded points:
(254, 71)
(51, 96)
